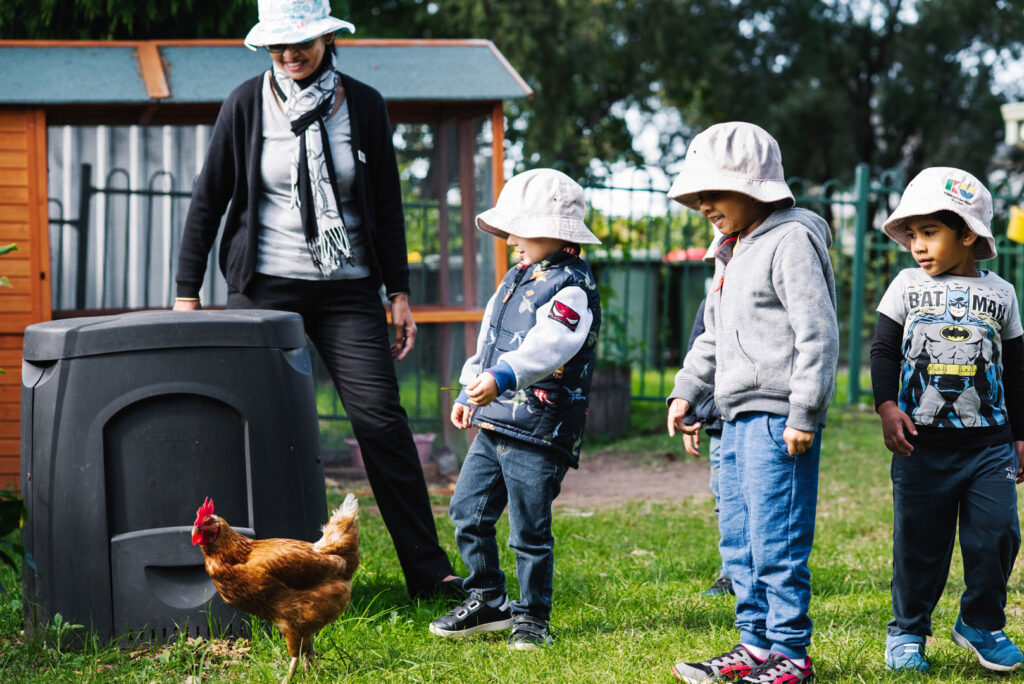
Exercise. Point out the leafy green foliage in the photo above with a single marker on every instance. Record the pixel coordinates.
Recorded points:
(890, 83)
(12, 516)
(112, 20)
(616, 346)
(887, 83)
(580, 57)
(4, 249)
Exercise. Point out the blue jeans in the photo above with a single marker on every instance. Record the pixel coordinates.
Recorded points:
(931, 490)
(715, 464)
(766, 521)
(501, 470)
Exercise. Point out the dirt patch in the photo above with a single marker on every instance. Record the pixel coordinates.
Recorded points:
(603, 479)
(610, 479)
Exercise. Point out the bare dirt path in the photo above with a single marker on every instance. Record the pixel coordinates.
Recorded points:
(611, 479)
(604, 478)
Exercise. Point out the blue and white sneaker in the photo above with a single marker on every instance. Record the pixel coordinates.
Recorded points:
(994, 649)
(905, 652)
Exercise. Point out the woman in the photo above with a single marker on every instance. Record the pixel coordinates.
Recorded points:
(304, 155)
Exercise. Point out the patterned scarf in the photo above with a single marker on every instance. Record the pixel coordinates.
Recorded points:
(314, 187)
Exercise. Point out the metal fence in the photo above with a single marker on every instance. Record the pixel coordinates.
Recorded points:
(649, 268)
(654, 280)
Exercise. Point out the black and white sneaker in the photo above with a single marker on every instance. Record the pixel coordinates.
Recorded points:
(721, 587)
(473, 617)
(528, 633)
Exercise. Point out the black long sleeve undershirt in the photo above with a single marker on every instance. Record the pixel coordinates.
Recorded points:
(887, 360)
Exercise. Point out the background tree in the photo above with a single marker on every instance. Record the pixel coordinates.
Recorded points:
(126, 19)
(891, 83)
(905, 83)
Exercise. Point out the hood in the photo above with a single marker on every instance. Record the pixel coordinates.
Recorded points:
(816, 225)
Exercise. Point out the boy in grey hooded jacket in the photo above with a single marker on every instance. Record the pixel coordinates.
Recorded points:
(769, 354)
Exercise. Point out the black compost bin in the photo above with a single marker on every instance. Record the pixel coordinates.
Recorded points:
(128, 423)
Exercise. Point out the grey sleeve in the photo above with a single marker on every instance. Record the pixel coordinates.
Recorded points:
(805, 286)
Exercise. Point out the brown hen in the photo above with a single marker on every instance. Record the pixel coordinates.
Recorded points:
(297, 586)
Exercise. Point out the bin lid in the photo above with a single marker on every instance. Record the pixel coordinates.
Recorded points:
(91, 335)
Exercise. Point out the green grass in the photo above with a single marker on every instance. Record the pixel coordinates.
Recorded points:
(627, 598)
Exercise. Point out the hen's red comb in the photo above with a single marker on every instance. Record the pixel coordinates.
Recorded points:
(204, 510)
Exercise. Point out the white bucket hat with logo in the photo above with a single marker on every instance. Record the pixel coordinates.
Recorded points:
(736, 156)
(539, 203)
(942, 188)
(293, 21)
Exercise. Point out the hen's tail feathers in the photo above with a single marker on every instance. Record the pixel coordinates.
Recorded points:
(341, 533)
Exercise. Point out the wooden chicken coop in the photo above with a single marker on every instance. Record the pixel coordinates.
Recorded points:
(100, 143)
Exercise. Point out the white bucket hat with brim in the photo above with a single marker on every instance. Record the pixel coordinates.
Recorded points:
(285, 22)
(943, 188)
(734, 156)
(539, 203)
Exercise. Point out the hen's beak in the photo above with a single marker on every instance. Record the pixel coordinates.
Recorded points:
(197, 536)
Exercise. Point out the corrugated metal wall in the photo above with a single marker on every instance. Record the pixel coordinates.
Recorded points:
(123, 192)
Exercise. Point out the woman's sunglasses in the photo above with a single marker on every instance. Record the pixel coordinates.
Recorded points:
(281, 47)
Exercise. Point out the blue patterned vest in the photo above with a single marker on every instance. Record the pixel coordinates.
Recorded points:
(552, 411)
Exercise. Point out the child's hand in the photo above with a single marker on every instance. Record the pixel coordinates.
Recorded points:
(1019, 448)
(797, 441)
(461, 415)
(895, 425)
(677, 410)
(692, 443)
(484, 390)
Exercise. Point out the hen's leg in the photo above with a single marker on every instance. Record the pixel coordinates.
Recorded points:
(308, 651)
(291, 670)
(294, 643)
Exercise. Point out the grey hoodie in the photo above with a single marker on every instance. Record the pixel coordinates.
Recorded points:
(771, 339)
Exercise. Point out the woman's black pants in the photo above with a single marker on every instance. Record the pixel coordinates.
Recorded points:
(346, 322)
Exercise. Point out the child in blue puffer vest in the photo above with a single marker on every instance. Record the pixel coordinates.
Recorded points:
(527, 386)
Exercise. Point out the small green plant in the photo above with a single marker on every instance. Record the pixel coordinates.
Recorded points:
(58, 630)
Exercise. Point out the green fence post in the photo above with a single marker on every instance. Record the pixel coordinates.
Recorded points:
(862, 183)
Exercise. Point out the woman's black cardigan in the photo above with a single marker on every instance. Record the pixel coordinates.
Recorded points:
(231, 173)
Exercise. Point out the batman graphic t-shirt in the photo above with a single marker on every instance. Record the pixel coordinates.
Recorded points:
(953, 328)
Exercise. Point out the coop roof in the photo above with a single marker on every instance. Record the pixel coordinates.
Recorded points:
(199, 72)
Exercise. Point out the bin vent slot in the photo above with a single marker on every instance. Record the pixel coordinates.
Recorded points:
(180, 586)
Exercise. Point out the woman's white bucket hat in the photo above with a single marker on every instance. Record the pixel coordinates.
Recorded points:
(293, 21)
(942, 188)
(539, 203)
(736, 156)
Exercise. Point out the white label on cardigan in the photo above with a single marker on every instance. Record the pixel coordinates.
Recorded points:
(361, 155)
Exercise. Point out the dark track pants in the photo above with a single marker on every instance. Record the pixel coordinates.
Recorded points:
(932, 488)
